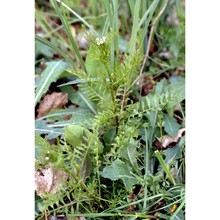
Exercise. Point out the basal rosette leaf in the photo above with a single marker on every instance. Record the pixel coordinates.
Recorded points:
(120, 170)
(49, 75)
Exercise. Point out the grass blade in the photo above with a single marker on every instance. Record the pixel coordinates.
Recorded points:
(78, 16)
(148, 13)
(177, 210)
(111, 18)
(164, 166)
(68, 31)
(106, 27)
(115, 26)
(131, 6)
(135, 26)
(54, 47)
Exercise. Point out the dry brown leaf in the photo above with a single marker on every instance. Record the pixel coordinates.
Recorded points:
(56, 100)
(146, 85)
(167, 140)
(48, 180)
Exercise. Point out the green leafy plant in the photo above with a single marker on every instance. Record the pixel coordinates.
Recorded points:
(111, 152)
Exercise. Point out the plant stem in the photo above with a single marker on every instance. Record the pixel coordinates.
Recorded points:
(82, 185)
(146, 169)
(112, 94)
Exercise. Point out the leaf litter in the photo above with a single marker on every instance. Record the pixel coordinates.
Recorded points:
(56, 100)
(168, 141)
(48, 180)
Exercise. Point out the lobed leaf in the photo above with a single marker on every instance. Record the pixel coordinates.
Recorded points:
(42, 128)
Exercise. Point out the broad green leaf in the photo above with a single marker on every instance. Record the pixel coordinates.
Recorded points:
(120, 170)
(74, 135)
(49, 75)
(129, 154)
(74, 96)
(58, 114)
(79, 98)
(160, 86)
(92, 64)
(172, 154)
(178, 89)
(170, 125)
(78, 118)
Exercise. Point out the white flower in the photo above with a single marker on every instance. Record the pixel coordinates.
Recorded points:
(100, 40)
(47, 158)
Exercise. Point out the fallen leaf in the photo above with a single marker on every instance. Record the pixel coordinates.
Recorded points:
(48, 180)
(56, 100)
(146, 85)
(167, 140)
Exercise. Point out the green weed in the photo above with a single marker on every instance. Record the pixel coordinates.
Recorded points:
(119, 154)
